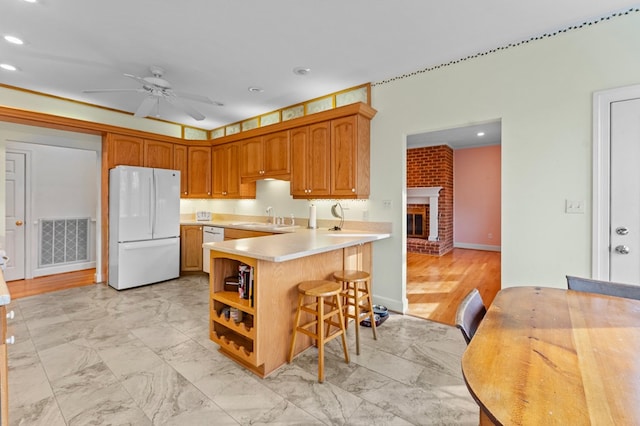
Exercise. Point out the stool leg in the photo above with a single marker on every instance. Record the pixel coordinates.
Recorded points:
(356, 300)
(295, 327)
(320, 338)
(344, 330)
(371, 314)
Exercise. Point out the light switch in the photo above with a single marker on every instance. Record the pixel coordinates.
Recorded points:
(574, 206)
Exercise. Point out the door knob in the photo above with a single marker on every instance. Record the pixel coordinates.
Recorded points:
(622, 249)
(622, 230)
(19, 223)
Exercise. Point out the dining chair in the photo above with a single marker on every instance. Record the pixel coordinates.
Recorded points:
(603, 287)
(470, 313)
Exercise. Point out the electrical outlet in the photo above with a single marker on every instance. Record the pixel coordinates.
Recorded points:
(574, 206)
(386, 204)
(365, 215)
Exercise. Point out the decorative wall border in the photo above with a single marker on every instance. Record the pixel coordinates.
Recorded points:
(510, 45)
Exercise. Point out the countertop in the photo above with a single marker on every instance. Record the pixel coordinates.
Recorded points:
(294, 243)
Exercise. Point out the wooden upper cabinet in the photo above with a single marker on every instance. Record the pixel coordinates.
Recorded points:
(158, 154)
(277, 155)
(310, 161)
(226, 174)
(350, 157)
(180, 163)
(266, 156)
(199, 172)
(125, 150)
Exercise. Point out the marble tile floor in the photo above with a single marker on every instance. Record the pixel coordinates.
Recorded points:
(96, 356)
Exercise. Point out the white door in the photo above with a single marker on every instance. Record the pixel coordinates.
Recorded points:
(624, 252)
(15, 216)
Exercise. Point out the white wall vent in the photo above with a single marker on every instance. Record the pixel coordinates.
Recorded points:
(63, 241)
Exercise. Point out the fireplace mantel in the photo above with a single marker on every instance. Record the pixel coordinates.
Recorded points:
(427, 195)
(422, 195)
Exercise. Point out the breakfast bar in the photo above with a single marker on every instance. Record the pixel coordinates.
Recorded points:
(257, 332)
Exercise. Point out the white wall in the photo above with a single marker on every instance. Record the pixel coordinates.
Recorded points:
(542, 92)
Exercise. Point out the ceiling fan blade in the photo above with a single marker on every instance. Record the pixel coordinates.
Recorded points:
(138, 79)
(146, 106)
(193, 97)
(177, 102)
(111, 90)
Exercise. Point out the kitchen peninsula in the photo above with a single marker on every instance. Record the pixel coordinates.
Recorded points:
(257, 336)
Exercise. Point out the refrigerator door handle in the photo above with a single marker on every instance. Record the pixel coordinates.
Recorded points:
(152, 206)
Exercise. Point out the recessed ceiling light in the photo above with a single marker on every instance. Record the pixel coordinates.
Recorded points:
(31, 1)
(8, 67)
(13, 39)
(480, 134)
(255, 89)
(301, 70)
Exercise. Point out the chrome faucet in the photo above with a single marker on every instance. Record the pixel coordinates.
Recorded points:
(271, 215)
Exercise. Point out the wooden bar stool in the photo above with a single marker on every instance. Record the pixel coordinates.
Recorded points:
(324, 314)
(356, 290)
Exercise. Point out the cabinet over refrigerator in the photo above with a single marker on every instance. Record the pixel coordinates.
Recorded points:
(144, 226)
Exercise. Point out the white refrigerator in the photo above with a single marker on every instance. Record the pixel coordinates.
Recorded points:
(144, 226)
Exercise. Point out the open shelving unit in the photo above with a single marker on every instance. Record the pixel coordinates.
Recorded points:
(236, 338)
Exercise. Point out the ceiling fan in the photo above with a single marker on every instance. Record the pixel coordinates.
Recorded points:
(158, 88)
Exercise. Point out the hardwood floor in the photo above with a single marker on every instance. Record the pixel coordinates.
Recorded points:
(437, 284)
(39, 285)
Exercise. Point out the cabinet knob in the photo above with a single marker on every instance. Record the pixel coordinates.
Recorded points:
(10, 340)
(11, 315)
(353, 190)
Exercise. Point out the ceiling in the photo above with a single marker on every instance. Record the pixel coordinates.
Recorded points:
(469, 136)
(219, 49)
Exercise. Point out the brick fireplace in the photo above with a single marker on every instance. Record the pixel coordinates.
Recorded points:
(430, 168)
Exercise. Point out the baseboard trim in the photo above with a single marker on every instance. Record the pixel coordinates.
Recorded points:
(485, 247)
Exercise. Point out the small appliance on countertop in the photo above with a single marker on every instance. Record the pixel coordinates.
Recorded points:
(203, 216)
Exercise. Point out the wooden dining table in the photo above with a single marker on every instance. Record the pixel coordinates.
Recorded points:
(549, 356)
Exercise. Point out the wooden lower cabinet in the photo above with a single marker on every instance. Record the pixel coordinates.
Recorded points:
(190, 248)
(260, 340)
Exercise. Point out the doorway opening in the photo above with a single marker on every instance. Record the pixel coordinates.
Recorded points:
(464, 251)
(54, 197)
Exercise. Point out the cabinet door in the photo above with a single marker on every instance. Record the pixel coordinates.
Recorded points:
(125, 150)
(180, 163)
(191, 248)
(199, 175)
(220, 187)
(234, 188)
(276, 153)
(310, 161)
(299, 162)
(158, 154)
(251, 155)
(344, 156)
(319, 159)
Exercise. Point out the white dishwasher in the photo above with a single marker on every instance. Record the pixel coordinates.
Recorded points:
(210, 234)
